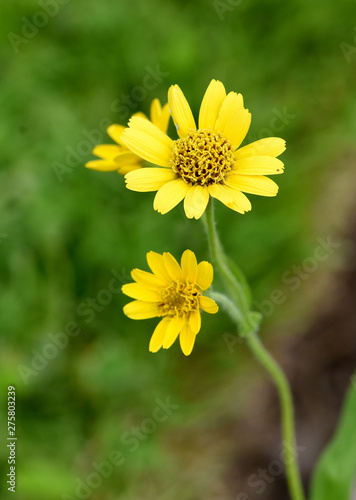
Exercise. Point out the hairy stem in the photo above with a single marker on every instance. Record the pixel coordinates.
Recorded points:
(236, 305)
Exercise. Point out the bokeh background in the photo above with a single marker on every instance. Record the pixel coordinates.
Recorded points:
(68, 69)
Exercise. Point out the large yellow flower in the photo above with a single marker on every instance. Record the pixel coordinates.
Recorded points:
(172, 292)
(206, 161)
(118, 156)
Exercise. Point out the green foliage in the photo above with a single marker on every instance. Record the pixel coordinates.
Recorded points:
(335, 472)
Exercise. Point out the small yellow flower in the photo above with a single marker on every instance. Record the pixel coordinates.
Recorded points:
(206, 161)
(172, 292)
(119, 157)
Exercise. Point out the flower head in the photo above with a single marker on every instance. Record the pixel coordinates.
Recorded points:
(118, 156)
(204, 161)
(172, 292)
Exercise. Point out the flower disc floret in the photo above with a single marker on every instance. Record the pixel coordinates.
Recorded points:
(203, 157)
(179, 299)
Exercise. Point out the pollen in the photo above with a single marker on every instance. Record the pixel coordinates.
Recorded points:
(178, 299)
(203, 157)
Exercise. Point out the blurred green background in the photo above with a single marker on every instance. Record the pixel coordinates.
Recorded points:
(66, 68)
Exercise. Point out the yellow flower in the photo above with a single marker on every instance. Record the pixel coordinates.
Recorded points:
(119, 157)
(172, 292)
(206, 161)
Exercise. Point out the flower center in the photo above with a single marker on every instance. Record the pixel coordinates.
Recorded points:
(203, 157)
(178, 299)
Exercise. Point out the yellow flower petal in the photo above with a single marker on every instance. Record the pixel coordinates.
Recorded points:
(115, 132)
(150, 129)
(253, 184)
(169, 195)
(240, 203)
(189, 266)
(125, 169)
(181, 113)
(196, 201)
(232, 104)
(205, 275)
(174, 327)
(147, 148)
(156, 263)
(140, 115)
(140, 310)
(165, 118)
(187, 339)
(258, 165)
(208, 305)
(149, 280)
(155, 111)
(195, 321)
(270, 146)
(102, 165)
(237, 127)
(107, 151)
(148, 179)
(230, 197)
(137, 291)
(221, 193)
(172, 266)
(125, 157)
(211, 105)
(236, 208)
(147, 141)
(160, 116)
(157, 338)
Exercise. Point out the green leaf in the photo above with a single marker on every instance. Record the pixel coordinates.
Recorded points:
(335, 472)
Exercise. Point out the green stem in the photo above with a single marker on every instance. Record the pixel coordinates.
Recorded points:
(287, 414)
(220, 261)
(229, 306)
(241, 315)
